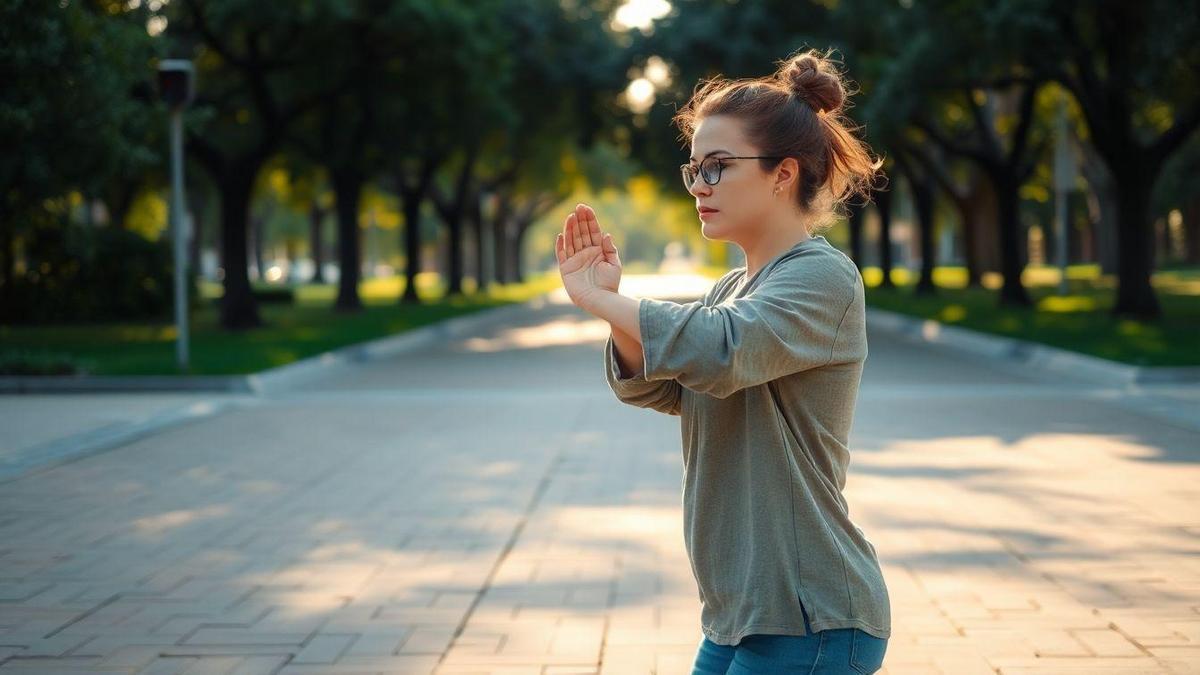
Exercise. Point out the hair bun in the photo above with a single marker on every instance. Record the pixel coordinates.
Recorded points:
(812, 78)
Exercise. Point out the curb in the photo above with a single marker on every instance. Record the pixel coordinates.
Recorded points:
(1031, 354)
(60, 451)
(272, 380)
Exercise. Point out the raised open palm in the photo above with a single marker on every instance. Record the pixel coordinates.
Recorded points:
(587, 258)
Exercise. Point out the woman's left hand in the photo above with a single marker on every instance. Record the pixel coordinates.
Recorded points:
(587, 258)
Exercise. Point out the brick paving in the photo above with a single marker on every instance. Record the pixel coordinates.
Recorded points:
(488, 507)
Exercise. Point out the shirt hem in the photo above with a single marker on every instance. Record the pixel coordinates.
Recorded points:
(730, 639)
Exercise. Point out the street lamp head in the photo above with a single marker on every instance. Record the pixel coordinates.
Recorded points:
(176, 82)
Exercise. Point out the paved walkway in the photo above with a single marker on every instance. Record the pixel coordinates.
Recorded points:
(489, 507)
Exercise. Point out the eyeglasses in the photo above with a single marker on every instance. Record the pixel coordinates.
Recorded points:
(710, 169)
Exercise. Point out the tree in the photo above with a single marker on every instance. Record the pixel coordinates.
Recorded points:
(1134, 69)
(258, 71)
(75, 96)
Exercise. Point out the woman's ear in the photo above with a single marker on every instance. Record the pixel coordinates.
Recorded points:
(786, 173)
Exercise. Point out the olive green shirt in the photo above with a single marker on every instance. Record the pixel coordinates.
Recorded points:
(764, 376)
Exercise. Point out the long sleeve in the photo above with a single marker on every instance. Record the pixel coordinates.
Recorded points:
(662, 395)
(789, 323)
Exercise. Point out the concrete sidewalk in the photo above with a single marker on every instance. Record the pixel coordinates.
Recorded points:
(484, 505)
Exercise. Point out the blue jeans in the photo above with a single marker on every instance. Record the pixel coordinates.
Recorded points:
(839, 651)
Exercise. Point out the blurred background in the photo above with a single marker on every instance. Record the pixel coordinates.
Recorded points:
(355, 168)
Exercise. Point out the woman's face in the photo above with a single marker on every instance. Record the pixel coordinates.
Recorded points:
(744, 196)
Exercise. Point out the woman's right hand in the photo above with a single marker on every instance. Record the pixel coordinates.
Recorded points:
(587, 257)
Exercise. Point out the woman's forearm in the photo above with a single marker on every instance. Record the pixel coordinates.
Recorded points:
(618, 310)
(622, 315)
(628, 353)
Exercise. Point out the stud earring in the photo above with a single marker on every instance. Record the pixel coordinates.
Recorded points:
(776, 191)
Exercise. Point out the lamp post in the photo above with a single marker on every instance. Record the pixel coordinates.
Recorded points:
(177, 87)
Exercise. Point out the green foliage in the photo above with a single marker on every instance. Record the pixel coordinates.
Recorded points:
(1078, 321)
(274, 296)
(35, 362)
(87, 274)
(74, 101)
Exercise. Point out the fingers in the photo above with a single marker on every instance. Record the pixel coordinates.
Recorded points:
(569, 236)
(585, 218)
(581, 230)
(576, 234)
(560, 250)
(610, 251)
(591, 223)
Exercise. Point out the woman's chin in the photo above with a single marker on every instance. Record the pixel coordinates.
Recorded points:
(712, 231)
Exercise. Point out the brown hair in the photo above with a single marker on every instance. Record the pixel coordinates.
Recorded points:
(796, 112)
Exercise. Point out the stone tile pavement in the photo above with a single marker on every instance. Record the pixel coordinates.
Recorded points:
(488, 507)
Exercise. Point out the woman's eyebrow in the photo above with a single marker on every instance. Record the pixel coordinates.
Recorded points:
(712, 153)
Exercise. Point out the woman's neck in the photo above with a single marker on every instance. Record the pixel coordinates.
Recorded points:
(766, 248)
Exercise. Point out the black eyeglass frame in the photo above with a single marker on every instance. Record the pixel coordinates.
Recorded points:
(688, 180)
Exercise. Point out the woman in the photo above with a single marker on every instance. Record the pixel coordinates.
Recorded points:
(763, 373)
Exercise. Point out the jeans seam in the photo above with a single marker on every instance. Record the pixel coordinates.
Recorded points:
(820, 648)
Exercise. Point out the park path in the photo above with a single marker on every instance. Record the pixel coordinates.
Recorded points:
(487, 506)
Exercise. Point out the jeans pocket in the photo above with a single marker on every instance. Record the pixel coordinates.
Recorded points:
(866, 652)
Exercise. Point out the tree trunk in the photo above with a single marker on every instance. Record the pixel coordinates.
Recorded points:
(923, 199)
(347, 186)
(500, 237)
(518, 253)
(475, 213)
(855, 223)
(412, 247)
(256, 231)
(454, 253)
(1135, 253)
(1102, 207)
(883, 205)
(316, 216)
(239, 310)
(118, 205)
(8, 258)
(1012, 292)
(1191, 231)
(967, 226)
(969, 230)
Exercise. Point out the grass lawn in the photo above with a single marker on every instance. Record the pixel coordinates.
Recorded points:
(291, 332)
(1078, 321)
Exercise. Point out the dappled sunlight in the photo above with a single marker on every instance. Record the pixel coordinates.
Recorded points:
(1035, 276)
(930, 330)
(144, 333)
(642, 524)
(164, 523)
(1064, 304)
(953, 313)
(386, 290)
(330, 526)
(279, 356)
(552, 333)
(571, 330)
(1181, 283)
(302, 604)
(500, 468)
(692, 286)
(261, 487)
(987, 522)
